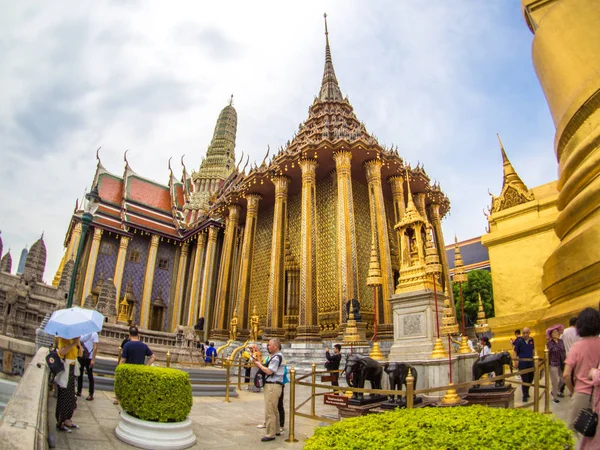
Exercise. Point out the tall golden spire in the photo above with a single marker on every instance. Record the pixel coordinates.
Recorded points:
(510, 174)
(330, 90)
(459, 269)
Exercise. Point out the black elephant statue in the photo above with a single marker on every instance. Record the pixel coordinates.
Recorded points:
(360, 368)
(492, 363)
(397, 373)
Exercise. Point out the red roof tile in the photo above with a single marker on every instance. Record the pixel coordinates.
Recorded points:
(148, 193)
(111, 188)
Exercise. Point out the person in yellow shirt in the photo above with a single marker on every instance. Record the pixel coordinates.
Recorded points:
(68, 350)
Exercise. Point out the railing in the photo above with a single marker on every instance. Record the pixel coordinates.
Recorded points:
(410, 392)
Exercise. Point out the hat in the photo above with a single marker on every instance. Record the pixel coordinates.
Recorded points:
(558, 327)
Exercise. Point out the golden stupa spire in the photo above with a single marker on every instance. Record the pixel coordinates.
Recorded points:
(411, 215)
(482, 325)
(459, 270)
(510, 174)
(330, 90)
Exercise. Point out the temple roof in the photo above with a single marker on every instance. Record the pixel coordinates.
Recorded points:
(35, 262)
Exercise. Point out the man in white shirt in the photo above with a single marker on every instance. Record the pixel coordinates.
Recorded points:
(570, 336)
(87, 361)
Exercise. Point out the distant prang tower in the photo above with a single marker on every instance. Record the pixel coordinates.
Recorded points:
(566, 57)
(219, 161)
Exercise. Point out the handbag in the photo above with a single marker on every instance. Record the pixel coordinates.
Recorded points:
(587, 420)
(55, 364)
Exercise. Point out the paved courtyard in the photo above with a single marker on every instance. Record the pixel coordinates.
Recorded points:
(217, 424)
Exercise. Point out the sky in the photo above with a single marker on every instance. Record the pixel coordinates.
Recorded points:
(438, 79)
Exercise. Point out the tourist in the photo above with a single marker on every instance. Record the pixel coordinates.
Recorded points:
(583, 356)
(517, 336)
(211, 353)
(556, 359)
(69, 350)
(273, 387)
(486, 347)
(570, 336)
(86, 361)
(136, 351)
(524, 354)
(333, 363)
(593, 443)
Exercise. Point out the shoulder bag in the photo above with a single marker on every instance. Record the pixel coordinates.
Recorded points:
(587, 420)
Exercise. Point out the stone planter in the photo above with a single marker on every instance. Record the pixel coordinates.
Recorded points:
(155, 435)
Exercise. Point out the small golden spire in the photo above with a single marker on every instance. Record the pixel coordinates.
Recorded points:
(482, 325)
(459, 269)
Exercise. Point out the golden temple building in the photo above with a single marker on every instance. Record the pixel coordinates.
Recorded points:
(290, 238)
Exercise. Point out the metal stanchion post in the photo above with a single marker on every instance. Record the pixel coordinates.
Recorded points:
(536, 382)
(547, 382)
(292, 425)
(313, 389)
(227, 381)
(410, 384)
(169, 358)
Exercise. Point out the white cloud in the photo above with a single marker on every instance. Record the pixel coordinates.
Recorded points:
(437, 79)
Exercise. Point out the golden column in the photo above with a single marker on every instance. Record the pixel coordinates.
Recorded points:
(247, 256)
(148, 281)
(69, 253)
(207, 277)
(397, 185)
(196, 278)
(91, 265)
(175, 306)
(346, 242)
(308, 330)
(274, 326)
(434, 210)
(120, 267)
(566, 57)
(225, 268)
(380, 232)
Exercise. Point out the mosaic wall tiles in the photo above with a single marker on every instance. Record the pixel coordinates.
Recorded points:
(107, 257)
(135, 271)
(163, 276)
(326, 246)
(259, 280)
(362, 222)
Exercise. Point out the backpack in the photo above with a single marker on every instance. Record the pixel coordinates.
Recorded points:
(286, 378)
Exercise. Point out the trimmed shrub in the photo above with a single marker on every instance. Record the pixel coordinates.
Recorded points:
(470, 427)
(156, 394)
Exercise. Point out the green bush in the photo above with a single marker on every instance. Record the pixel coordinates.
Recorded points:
(156, 394)
(470, 427)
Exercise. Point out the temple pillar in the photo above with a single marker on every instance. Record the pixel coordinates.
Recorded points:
(148, 281)
(120, 267)
(380, 231)
(434, 210)
(207, 277)
(246, 263)
(274, 326)
(223, 284)
(346, 243)
(308, 329)
(196, 279)
(91, 265)
(397, 184)
(69, 252)
(175, 305)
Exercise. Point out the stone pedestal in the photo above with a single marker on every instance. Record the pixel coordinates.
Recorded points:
(345, 412)
(308, 333)
(414, 324)
(503, 397)
(219, 335)
(272, 332)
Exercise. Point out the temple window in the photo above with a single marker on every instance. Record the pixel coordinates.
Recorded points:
(163, 263)
(135, 256)
(107, 248)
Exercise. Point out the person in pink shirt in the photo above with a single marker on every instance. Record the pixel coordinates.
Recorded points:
(583, 356)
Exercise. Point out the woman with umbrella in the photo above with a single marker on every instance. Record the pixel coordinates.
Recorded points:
(556, 355)
(68, 325)
(68, 350)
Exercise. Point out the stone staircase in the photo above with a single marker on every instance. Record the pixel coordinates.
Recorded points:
(206, 382)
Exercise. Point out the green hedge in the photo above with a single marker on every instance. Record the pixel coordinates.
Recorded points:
(469, 427)
(156, 394)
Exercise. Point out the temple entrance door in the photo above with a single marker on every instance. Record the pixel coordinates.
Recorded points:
(157, 318)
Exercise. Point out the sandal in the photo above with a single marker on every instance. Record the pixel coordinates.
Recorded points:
(90, 398)
(115, 402)
(64, 428)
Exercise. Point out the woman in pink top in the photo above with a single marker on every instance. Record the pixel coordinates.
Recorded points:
(584, 355)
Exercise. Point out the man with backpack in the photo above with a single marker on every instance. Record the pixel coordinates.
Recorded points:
(274, 375)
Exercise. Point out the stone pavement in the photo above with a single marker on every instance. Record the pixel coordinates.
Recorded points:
(217, 425)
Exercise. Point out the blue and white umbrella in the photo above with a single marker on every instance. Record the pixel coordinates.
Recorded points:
(74, 322)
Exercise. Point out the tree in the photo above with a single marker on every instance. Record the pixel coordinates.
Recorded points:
(478, 282)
